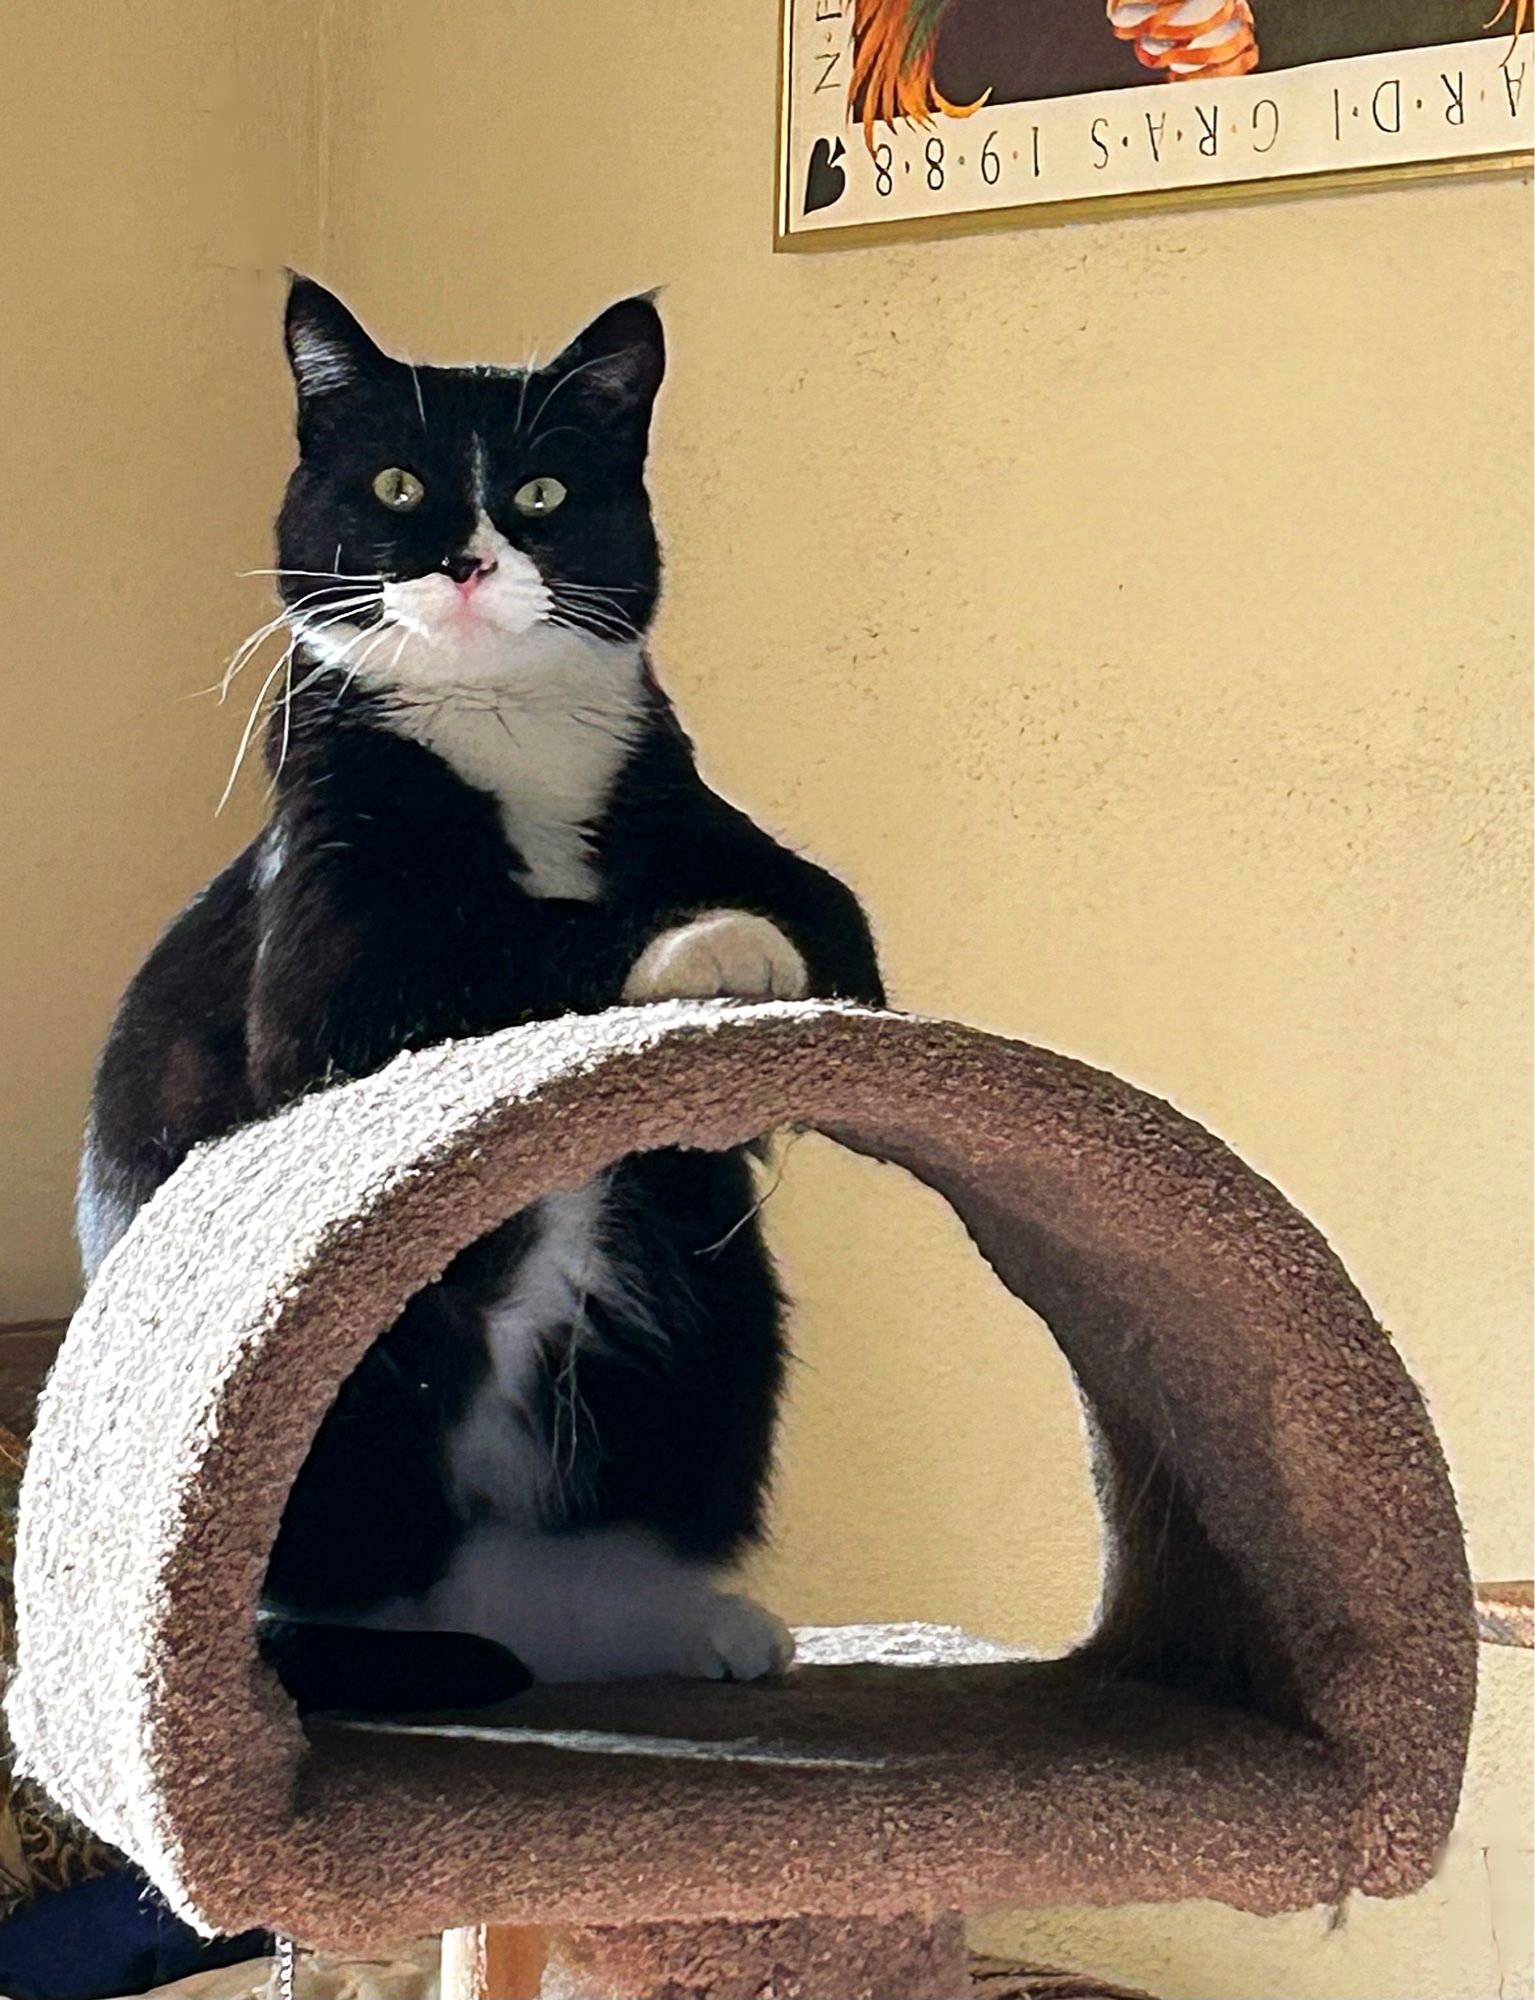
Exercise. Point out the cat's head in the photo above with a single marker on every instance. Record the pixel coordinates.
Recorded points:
(447, 528)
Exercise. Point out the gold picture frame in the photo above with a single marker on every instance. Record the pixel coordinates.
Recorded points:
(798, 136)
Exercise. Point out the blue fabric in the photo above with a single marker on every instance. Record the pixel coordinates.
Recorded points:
(107, 1936)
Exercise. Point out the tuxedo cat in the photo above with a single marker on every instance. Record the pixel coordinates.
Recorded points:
(485, 811)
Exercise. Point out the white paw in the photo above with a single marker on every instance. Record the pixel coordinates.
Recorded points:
(737, 1640)
(722, 954)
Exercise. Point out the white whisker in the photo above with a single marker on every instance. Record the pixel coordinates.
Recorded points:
(241, 656)
(594, 623)
(601, 604)
(337, 612)
(375, 635)
(250, 726)
(540, 438)
(570, 375)
(392, 664)
(337, 575)
(287, 715)
(368, 652)
(415, 626)
(527, 376)
(284, 666)
(317, 673)
(596, 607)
(311, 630)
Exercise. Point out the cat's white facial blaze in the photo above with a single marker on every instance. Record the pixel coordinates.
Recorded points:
(538, 715)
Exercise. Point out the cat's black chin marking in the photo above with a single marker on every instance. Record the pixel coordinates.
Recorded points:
(484, 830)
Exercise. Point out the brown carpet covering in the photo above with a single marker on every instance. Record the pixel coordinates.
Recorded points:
(1274, 1710)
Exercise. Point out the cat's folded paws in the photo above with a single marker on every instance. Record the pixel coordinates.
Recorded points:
(737, 1640)
(722, 954)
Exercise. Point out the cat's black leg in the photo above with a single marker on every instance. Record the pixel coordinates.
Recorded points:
(679, 1394)
(719, 862)
(369, 1522)
(825, 922)
(360, 1671)
(369, 1517)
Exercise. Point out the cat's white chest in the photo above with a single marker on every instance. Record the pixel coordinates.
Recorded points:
(546, 742)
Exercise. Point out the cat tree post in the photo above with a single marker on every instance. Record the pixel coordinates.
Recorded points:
(493, 1962)
(793, 1958)
(804, 1958)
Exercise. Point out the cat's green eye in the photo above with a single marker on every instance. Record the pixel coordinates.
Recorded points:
(538, 496)
(399, 490)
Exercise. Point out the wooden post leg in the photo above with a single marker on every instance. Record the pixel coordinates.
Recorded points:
(493, 1962)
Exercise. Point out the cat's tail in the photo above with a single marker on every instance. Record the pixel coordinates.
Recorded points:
(359, 1671)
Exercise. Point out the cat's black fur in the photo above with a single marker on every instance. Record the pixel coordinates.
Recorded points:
(397, 919)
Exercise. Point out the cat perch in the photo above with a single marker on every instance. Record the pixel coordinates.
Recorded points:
(1273, 1710)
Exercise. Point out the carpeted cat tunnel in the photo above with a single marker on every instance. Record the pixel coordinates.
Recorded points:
(1272, 1712)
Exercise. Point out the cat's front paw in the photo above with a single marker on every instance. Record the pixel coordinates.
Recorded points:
(737, 1640)
(722, 954)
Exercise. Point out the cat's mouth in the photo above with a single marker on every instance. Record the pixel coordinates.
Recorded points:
(448, 612)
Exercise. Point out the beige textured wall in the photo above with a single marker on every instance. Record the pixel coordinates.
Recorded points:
(155, 157)
(1138, 613)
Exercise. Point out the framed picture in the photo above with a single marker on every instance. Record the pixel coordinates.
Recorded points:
(916, 112)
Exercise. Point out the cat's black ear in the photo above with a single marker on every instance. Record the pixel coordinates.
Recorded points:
(621, 357)
(328, 349)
